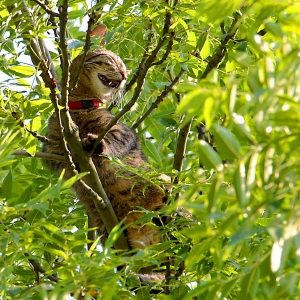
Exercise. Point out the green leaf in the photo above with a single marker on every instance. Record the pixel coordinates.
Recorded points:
(208, 156)
(214, 192)
(77, 13)
(179, 292)
(113, 236)
(30, 144)
(7, 185)
(151, 151)
(242, 128)
(275, 29)
(227, 143)
(249, 285)
(25, 71)
(240, 183)
(25, 196)
(205, 51)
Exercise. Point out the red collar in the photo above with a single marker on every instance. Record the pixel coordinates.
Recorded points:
(83, 104)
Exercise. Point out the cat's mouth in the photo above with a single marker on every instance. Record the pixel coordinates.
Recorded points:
(109, 82)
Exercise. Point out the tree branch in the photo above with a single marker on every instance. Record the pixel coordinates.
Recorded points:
(37, 54)
(42, 155)
(92, 20)
(39, 269)
(219, 55)
(180, 149)
(160, 98)
(33, 133)
(213, 63)
(46, 8)
(143, 60)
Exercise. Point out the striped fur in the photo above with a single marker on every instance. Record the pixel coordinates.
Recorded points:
(125, 191)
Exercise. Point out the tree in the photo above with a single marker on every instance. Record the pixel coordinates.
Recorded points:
(213, 95)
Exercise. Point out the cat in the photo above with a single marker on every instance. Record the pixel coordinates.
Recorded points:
(103, 76)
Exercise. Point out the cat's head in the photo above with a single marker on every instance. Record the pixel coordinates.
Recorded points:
(103, 76)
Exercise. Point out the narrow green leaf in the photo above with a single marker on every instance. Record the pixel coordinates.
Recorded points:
(275, 29)
(30, 144)
(268, 164)
(50, 227)
(7, 185)
(227, 287)
(240, 183)
(25, 196)
(208, 156)
(25, 71)
(214, 192)
(114, 235)
(151, 151)
(56, 252)
(242, 128)
(205, 51)
(251, 173)
(179, 292)
(227, 142)
(249, 285)
(201, 41)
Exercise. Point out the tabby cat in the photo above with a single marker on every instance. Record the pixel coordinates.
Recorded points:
(103, 76)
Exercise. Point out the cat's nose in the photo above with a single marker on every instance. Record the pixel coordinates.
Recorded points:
(124, 76)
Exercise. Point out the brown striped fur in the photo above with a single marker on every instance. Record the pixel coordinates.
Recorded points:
(125, 191)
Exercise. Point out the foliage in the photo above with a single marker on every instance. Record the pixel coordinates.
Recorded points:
(240, 172)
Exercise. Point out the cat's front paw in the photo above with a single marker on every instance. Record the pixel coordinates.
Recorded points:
(89, 142)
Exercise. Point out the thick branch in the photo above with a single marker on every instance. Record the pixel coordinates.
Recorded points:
(168, 50)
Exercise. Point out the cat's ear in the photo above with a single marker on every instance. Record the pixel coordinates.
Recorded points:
(100, 30)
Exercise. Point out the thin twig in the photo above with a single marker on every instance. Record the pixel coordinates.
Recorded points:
(46, 8)
(39, 269)
(159, 99)
(42, 155)
(179, 270)
(143, 60)
(92, 20)
(167, 276)
(33, 133)
(34, 47)
(168, 50)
